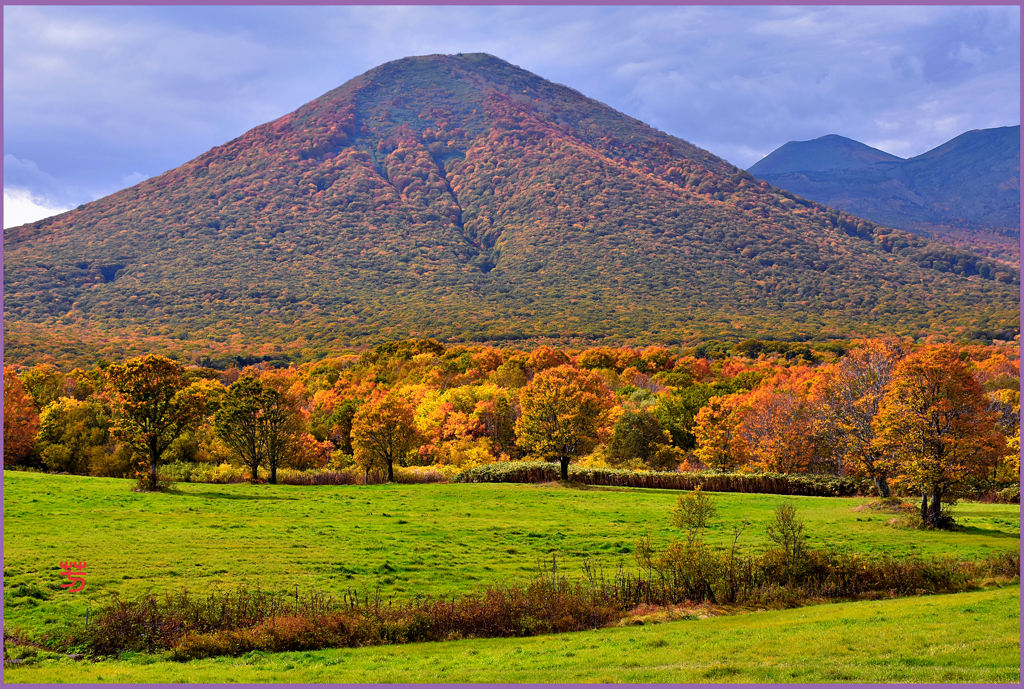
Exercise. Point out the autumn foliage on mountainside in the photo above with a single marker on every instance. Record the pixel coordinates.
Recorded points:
(924, 419)
(463, 199)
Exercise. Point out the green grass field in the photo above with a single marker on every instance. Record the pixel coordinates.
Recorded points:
(408, 539)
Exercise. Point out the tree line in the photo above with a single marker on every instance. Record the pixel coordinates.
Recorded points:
(918, 419)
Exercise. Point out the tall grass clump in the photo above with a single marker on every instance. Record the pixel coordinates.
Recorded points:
(201, 472)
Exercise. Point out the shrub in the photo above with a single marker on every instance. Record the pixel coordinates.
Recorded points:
(198, 472)
(693, 512)
(319, 477)
(117, 464)
(425, 474)
(245, 620)
(786, 532)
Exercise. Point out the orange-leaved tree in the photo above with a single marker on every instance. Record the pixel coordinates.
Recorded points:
(561, 411)
(776, 429)
(545, 357)
(935, 428)
(845, 400)
(383, 432)
(155, 405)
(21, 419)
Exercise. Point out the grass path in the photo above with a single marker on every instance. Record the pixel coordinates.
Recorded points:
(967, 637)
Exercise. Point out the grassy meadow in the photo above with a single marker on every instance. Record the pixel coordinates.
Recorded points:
(413, 540)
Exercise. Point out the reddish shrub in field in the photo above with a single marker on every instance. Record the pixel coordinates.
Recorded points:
(292, 633)
(245, 620)
(242, 621)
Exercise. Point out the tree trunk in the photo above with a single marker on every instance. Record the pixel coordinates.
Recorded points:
(391, 470)
(564, 461)
(154, 459)
(273, 473)
(883, 487)
(924, 506)
(935, 510)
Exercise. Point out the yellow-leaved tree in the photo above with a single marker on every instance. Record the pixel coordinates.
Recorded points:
(719, 444)
(561, 411)
(383, 432)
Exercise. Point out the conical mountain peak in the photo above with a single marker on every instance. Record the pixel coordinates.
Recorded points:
(463, 198)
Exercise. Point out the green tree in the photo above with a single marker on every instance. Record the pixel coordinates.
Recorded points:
(45, 383)
(787, 557)
(73, 434)
(636, 435)
(677, 412)
(154, 407)
(561, 411)
(935, 428)
(283, 426)
(693, 513)
(257, 422)
(340, 425)
(239, 424)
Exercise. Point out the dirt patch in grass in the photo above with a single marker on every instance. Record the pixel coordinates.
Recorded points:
(656, 614)
(888, 505)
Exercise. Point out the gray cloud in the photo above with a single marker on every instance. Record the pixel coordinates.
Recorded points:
(101, 97)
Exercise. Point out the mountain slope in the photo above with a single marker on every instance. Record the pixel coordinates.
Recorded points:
(460, 197)
(968, 185)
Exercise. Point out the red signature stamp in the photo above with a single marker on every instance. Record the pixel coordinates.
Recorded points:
(75, 572)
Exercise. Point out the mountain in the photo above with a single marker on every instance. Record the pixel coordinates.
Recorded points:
(966, 190)
(463, 198)
(829, 152)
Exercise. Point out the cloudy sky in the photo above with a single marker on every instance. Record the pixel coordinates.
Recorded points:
(98, 98)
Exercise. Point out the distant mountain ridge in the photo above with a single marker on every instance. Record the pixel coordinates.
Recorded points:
(968, 184)
(463, 198)
(829, 152)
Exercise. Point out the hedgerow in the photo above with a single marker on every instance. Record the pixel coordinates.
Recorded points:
(778, 484)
